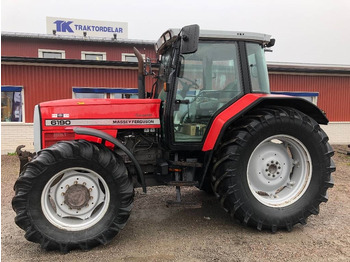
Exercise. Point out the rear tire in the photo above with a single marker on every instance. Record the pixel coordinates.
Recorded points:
(273, 169)
(73, 195)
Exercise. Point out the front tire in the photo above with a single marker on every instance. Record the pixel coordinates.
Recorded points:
(273, 169)
(73, 195)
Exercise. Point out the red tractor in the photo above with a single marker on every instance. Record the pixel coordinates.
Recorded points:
(209, 121)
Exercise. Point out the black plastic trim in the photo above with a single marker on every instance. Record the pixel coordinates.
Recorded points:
(244, 67)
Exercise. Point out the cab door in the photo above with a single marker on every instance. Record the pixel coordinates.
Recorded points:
(208, 80)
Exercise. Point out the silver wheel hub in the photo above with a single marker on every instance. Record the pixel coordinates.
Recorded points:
(279, 171)
(75, 199)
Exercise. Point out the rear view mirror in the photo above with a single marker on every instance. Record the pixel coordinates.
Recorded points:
(189, 39)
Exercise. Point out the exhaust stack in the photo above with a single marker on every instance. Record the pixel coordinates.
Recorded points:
(141, 75)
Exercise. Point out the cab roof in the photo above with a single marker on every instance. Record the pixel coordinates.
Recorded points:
(171, 34)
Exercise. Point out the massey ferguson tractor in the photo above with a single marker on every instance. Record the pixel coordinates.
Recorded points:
(209, 122)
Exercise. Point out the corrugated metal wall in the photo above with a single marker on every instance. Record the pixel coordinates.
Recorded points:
(334, 91)
(45, 83)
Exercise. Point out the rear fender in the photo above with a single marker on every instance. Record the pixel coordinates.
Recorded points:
(248, 103)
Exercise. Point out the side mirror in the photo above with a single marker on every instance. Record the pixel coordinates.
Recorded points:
(189, 39)
(271, 43)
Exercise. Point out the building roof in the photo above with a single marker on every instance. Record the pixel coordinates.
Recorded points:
(308, 68)
(76, 38)
(272, 66)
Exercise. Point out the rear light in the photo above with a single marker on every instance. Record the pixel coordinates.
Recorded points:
(53, 138)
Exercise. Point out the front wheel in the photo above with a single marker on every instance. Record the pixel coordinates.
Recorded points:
(273, 170)
(73, 195)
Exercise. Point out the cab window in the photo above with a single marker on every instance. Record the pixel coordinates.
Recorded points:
(208, 80)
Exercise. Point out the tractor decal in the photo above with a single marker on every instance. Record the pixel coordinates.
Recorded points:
(101, 122)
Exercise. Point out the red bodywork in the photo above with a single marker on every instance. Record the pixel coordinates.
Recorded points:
(224, 116)
(108, 115)
(59, 117)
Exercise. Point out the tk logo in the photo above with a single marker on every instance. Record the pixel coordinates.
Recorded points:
(63, 26)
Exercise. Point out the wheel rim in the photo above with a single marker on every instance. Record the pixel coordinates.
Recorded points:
(279, 171)
(75, 199)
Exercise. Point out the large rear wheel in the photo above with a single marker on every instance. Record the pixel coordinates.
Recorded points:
(73, 195)
(273, 169)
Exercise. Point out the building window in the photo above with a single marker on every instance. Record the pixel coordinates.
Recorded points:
(99, 56)
(83, 92)
(46, 53)
(11, 104)
(129, 57)
(309, 96)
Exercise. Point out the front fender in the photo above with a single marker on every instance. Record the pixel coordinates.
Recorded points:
(106, 137)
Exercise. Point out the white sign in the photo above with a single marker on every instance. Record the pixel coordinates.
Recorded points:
(77, 27)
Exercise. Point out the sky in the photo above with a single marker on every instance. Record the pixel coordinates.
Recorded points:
(306, 31)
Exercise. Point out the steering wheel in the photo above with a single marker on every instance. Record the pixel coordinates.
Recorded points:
(187, 86)
(194, 83)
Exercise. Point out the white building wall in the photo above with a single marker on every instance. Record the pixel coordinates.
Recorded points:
(13, 135)
(338, 132)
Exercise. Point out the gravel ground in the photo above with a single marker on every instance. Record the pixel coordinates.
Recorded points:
(157, 233)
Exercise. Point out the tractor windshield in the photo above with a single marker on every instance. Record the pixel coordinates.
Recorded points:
(208, 80)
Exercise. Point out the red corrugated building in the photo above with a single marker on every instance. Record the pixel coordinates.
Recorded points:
(37, 68)
(57, 67)
(331, 82)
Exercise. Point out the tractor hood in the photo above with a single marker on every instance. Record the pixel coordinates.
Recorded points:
(100, 113)
(55, 120)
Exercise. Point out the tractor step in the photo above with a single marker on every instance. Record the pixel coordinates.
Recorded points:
(183, 183)
(179, 202)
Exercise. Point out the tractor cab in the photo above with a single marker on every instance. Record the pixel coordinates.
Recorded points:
(203, 73)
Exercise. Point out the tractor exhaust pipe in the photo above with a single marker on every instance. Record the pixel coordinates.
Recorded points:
(141, 75)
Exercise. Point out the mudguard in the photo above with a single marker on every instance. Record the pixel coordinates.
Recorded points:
(117, 143)
(249, 102)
